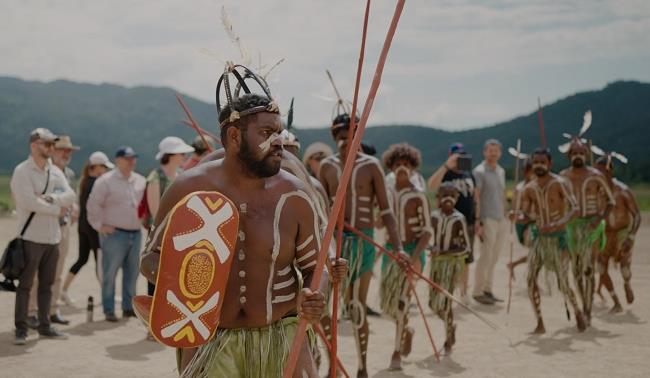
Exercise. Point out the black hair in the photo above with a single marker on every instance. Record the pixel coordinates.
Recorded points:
(368, 149)
(448, 185)
(245, 102)
(164, 160)
(542, 151)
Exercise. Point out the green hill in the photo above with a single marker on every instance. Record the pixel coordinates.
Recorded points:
(106, 116)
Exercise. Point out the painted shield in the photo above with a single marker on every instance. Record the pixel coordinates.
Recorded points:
(195, 258)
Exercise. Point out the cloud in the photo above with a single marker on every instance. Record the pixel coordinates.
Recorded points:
(453, 64)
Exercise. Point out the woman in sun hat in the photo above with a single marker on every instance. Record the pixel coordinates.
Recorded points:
(97, 165)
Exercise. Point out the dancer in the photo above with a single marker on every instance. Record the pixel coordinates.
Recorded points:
(588, 228)
(547, 205)
(262, 298)
(450, 249)
(623, 223)
(411, 206)
(366, 188)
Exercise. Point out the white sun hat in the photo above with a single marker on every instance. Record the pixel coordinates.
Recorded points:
(173, 145)
(100, 158)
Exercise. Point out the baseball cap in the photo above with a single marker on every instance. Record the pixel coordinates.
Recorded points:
(173, 145)
(457, 148)
(100, 158)
(43, 134)
(125, 151)
(64, 142)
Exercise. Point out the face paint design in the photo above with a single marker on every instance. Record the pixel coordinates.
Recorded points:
(402, 169)
(448, 199)
(266, 145)
(578, 160)
(540, 169)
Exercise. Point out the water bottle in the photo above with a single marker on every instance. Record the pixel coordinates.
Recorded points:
(89, 309)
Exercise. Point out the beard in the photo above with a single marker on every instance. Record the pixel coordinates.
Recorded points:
(540, 171)
(578, 161)
(260, 168)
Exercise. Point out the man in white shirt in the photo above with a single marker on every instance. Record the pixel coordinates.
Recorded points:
(33, 186)
(113, 211)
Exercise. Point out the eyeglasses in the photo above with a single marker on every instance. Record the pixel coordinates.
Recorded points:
(47, 144)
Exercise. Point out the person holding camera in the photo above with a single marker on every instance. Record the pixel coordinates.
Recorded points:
(42, 196)
(457, 170)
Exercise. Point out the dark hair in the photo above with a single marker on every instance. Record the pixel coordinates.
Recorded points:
(608, 162)
(164, 160)
(245, 102)
(401, 151)
(85, 173)
(368, 149)
(542, 151)
(528, 164)
(344, 120)
(448, 186)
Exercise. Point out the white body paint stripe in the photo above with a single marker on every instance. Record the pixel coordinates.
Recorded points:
(285, 271)
(306, 256)
(283, 284)
(284, 298)
(304, 244)
(308, 265)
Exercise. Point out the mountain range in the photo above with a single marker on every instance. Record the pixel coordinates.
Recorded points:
(105, 116)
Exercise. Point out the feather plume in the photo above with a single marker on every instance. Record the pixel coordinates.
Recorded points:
(597, 150)
(290, 116)
(520, 155)
(564, 148)
(266, 74)
(618, 156)
(586, 123)
(567, 135)
(234, 38)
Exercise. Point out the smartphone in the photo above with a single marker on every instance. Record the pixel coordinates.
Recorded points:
(465, 163)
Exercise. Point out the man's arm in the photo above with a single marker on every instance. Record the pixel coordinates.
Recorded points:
(153, 197)
(427, 230)
(436, 179)
(572, 208)
(25, 196)
(67, 197)
(387, 216)
(308, 244)
(633, 208)
(611, 202)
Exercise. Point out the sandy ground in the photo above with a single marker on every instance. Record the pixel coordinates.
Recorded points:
(615, 345)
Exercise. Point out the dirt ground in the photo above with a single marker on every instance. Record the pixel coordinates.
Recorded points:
(615, 345)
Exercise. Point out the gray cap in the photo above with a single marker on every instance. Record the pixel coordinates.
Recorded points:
(42, 134)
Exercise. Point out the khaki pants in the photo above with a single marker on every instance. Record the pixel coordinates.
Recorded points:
(56, 286)
(495, 233)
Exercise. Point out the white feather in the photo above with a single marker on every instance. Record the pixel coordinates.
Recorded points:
(567, 135)
(597, 150)
(234, 38)
(620, 157)
(514, 153)
(564, 148)
(586, 123)
(324, 98)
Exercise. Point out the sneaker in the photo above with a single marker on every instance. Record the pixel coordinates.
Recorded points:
(110, 317)
(58, 319)
(21, 337)
(371, 312)
(66, 298)
(32, 322)
(128, 314)
(492, 297)
(483, 299)
(8, 285)
(52, 333)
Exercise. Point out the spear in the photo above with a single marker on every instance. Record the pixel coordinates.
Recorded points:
(413, 271)
(512, 226)
(540, 121)
(341, 215)
(343, 183)
(192, 123)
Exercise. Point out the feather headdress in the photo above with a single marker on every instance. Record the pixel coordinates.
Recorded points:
(577, 139)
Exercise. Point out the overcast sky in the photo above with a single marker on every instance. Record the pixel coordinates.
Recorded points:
(453, 64)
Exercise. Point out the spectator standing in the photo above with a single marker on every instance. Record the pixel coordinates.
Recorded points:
(491, 190)
(97, 165)
(61, 155)
(113, 212)
(200, 150)
(42, 196)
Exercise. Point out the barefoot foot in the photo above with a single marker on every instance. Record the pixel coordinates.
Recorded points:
(407, 341)
(395, 361)
(629, 294)
(580, 322)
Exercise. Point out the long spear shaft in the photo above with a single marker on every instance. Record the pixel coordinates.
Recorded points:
(341, 219)
(193, 123)
(422, 277)
(343, 183)
(512, 225)
(540, 122)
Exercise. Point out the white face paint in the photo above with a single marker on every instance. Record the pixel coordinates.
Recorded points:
(266, 145)
(402, 169)
(340, 143)
(450, 199)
